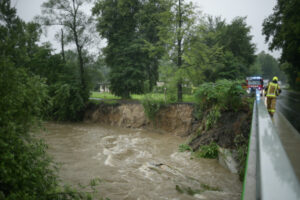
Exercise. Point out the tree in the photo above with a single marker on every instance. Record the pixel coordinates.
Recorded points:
(132, 52)
(75, 23)
(237, 39)
(25, 168)
(282, 30)
(150, 21)
(217, 50)
(269, 66)
(175, 33)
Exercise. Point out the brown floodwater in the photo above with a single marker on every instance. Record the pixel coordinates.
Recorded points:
(135, 163)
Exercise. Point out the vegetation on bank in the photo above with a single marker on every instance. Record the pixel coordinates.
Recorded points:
(212, 100)
(215, 101)
(152, 41)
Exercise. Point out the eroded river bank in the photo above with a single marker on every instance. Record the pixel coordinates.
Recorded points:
(135, 163)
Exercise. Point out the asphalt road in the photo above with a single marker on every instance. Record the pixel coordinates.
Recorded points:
(288, 103)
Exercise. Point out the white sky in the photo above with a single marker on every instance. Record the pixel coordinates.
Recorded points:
(255, 11)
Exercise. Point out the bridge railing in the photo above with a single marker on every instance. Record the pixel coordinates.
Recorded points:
(269, 173)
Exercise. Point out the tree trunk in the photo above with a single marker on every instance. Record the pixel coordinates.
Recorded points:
(62, 46)
(79, 50)
(179, 56)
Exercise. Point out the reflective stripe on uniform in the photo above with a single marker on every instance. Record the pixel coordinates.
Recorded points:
(271, 110)
(272, 88)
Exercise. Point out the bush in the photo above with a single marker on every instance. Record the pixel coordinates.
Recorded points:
(67, 102)
(241, 144)
(184, 147)
(151, 106)
(214, 98)
(25, 168)
(207, 151)
(171, 93)
(26, 171)
(212, 117)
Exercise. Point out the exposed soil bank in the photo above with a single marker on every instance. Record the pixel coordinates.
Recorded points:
(174, 118)
(226, 131)
(231, 132)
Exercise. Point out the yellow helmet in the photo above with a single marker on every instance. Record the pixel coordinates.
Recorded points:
(275, 78)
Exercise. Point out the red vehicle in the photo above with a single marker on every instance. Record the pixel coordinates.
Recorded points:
(255, 83)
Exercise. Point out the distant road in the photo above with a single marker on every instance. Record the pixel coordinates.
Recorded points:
(288, 103)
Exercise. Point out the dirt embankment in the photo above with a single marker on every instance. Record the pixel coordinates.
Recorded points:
(175, 118)
(232, 129)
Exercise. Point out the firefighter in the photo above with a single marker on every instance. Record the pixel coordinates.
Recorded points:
(272, 91)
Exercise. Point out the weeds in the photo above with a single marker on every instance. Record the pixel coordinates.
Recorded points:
(207, 151)
(151, 106)
(184, 147)
(214, 98)
(241, 144)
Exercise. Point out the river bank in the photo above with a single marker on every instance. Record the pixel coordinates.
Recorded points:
(176, 118)
(230, 132)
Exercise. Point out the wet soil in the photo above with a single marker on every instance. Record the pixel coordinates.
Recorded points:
(230, 125)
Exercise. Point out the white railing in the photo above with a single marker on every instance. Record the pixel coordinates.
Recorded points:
(269, 173)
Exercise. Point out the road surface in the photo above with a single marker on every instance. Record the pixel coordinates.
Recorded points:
(288, 103)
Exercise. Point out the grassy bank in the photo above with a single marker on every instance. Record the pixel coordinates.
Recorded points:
(140, 97)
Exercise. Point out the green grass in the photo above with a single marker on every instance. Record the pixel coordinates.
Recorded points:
(104, 95)
(189, 98)
(140, 97)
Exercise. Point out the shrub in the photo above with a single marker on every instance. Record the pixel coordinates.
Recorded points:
(151, 106)
(241, 144)
(213, 98)
(212, 117)
(207, 151)
(67, 102)
(25, 168)
(184, 147)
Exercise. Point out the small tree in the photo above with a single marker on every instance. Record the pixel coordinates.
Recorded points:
(75, 23)
(175, 32)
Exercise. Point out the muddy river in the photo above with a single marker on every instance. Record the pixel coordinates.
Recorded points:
(136, 164)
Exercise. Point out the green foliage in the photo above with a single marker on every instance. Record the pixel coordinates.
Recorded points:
(212, 117)
(134, 48)
(67, 102)
(151, 106)
(241, 144)
(76, 25)
(171, 92)
(281, 28)
(214, 98)
(207, 151)
(25, 168)
(210, 188)
(184, 147)
(103, 95)
(27, 172)
(222, 95)
(267, 66)
(216, 50)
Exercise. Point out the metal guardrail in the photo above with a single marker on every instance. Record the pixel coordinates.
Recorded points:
(269, 173)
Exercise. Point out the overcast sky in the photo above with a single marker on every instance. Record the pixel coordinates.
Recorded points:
(255, 11)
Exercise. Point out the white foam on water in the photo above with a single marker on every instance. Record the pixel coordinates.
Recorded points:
(109, 161)
(200, 196)
(98, 156)
(144, 154)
